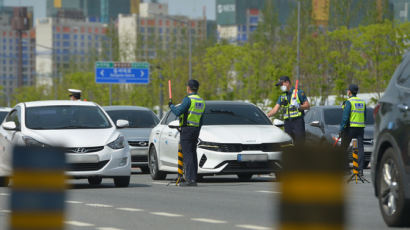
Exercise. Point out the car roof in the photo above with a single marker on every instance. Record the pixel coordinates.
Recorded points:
(121, 107)
(5, 109)
(58, 102)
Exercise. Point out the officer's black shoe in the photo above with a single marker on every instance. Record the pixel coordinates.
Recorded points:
(188, 184)
(361, 173)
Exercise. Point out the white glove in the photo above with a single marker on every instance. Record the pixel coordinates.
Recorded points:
(295, 104)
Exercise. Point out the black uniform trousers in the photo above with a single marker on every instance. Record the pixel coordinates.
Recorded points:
(354, 132)
(189, 141)
(295, 127)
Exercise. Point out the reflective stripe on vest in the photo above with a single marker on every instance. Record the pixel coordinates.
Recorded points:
(194, 113)
(357, 115)
(289, 112)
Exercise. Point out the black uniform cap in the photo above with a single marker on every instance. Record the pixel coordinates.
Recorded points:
(193, 84)
(353, 88)
(282, 79)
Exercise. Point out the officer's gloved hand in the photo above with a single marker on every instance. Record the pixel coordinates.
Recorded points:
(169, 103)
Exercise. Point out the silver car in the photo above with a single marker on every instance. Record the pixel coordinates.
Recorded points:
(94, 147)
(141, 121)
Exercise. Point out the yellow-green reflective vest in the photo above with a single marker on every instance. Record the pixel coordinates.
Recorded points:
(357, 110)
(290, 112)
(194, 113)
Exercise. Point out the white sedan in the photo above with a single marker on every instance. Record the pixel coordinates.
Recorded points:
(236, 138)
(94, 147)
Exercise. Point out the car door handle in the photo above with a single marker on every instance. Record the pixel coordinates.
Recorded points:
(403, 107)
(170, 134)
(157, 132)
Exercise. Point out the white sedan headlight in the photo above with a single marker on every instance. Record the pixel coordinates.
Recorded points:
(118, 143)
(29, 141)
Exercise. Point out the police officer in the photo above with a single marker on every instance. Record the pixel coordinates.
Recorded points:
(75, 94)
(353, 122)
(190, 113)
(293, 111)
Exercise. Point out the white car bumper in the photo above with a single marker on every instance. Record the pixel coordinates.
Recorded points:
(227, 162)
(139, 155)
(105, 163)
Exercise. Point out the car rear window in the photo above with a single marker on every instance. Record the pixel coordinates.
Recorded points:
(234, 114)
(136, 118)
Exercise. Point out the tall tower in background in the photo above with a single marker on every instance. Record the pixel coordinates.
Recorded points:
(135, 6)
(104, 11)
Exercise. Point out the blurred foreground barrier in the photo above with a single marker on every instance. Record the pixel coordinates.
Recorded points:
(180, 164)
(313, 192)
(38, 189)
(355, 156)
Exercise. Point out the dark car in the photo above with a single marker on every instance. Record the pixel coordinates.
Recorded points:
(141, 120)
(391, 157)
(323, 122)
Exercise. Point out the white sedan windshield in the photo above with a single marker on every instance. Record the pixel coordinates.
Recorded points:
(66, 117)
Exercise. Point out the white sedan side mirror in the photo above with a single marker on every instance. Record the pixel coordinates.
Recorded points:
(278, 123)
(10, 125)
(122, 123)
(173, 124)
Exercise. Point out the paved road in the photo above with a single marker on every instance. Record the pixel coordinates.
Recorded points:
(218, 203)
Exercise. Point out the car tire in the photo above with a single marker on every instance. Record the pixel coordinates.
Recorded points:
(393, 206)
(245, 176)
(94, 180)
(4, 181)
(156, 174)
(122, 181)
(145, 169)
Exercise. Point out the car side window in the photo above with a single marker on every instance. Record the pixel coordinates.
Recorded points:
(314, 115)
(14, 116)
(164, 121)
(404, 78)
(171, 117)
(308, 116)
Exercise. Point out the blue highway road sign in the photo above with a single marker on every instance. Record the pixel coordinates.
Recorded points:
(122, 72)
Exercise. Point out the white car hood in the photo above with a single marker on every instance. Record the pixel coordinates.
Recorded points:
(245, 134)
(74, 137)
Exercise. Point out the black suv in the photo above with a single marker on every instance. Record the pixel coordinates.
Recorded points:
(391, 156)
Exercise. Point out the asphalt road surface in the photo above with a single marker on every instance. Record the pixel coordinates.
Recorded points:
(217, 203)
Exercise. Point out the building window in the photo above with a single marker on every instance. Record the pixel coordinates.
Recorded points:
(57, 36)
(66, 44)
(253, 20)
(244, 28)
(66, 36)
(142, 30)
(160, 30)
(75, 36)
(82, 37)
(252, 28)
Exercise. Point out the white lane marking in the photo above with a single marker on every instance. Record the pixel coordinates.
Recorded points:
(131, 209)
(161, 183)
(264, 191)
(253, 227)
(73, 202)
(79, 224)
(108, 228)
(166, 214)
(5, 211)
(212, 221)
(4, 194)
(99, 205)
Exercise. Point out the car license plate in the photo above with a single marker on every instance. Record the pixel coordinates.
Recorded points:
(252, 157)
(72, 159)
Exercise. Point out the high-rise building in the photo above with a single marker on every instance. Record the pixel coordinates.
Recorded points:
(9, 47)
(141, 36)
(63, 42)
(96, 10)
(237, 19)
(401, 10)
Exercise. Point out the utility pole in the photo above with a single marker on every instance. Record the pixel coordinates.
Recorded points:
(190, 48)
(298, 45)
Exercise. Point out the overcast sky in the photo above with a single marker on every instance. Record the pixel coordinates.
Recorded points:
(191, 8)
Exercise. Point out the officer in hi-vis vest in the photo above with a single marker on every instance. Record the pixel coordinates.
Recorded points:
(190, 113)
(353, 122)
(294, 102)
